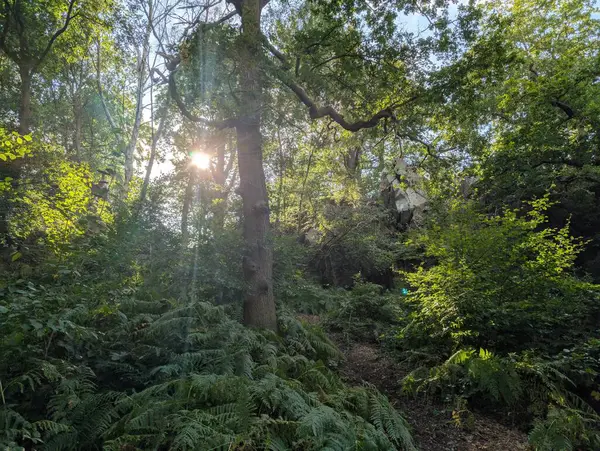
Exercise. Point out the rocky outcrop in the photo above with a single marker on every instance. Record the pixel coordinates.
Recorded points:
(403, 192)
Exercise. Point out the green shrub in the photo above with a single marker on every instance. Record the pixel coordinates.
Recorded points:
(470, 375)
(502, 283)
(366, 312)
(305, 296)
(566, 430)
(530, 389)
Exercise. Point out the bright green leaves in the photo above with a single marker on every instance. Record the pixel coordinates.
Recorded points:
(52, 196)
(55, 207)
(501, 282)
(13, 145)
(15, 256)
(32, 29)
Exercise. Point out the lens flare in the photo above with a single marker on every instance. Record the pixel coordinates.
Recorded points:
(201, 160)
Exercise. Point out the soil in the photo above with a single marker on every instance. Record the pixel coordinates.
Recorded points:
(432, 425)
(431, 422)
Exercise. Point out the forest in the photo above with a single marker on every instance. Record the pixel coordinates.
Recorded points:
(300, 225)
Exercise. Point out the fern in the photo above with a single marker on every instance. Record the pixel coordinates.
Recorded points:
(566, 429)
(162, 375)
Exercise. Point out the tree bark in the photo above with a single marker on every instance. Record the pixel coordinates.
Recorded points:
(259, 302)
(281, 174)
(352, 162)
(78, 113)
(155, 138)
(301, 215)
(187, 205)
(142, 62)
(220, 172)
(25, 100)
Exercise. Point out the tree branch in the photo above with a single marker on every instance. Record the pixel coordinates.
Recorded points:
(317, 112)
(208, 25)
(57, 33)
(226, 123)
(276, 53)
(566, 162)
(570, 112)
(111, 121)
(337, 57)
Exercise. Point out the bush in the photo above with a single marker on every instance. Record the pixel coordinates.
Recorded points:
(502, 283)
(530, 389)
(366, 312)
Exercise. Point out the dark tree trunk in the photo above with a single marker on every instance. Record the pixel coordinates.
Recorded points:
(25, 100)
(259, 303)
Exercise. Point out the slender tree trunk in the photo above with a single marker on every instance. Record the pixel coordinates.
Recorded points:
(281, 174)
(155, 138)
(220, 193)
(187, 205)
(301, 215)
(352, 162)
(142, 62)
(259, 303)
(25, 100)
(77, 113)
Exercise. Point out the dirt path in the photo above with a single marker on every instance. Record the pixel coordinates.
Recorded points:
(433, 429)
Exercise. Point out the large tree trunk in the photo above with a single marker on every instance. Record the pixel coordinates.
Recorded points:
(25, 100)
(259, 303)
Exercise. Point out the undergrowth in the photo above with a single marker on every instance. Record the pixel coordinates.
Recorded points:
(125, 372)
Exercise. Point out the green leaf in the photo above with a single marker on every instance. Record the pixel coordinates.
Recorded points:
(14, 257)
(3, 309)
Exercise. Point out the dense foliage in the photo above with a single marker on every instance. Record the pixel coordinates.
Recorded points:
(93, 358)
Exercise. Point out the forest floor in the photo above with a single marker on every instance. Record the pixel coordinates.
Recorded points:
(431, 422)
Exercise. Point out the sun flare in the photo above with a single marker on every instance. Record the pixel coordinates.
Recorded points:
(201, 160)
